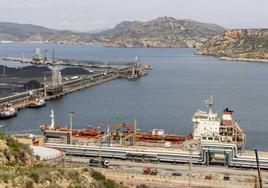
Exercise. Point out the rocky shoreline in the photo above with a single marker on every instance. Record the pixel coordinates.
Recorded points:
(244, 59)
(238, 45)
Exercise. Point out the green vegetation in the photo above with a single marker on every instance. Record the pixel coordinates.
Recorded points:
(20, 169)
(29, 184)
(107, 183)
(2, 135)
(17, 152)
(34, 176)
(142, 186)
(16, 146)
(46, 175)
(98, 176)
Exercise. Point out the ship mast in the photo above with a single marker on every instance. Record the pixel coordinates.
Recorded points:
(210, 104)
(52, 117)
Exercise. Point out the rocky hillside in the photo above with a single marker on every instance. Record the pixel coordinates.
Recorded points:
(238, 44)
(54, 176)
(161, 32)
(13, 153)
(32, 33)
(20, 169)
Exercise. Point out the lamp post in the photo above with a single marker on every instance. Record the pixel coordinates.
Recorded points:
(190, 165)
(99, 151)
(71, 125)
(192, 146)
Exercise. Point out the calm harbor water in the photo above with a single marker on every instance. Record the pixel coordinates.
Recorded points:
(167, 98)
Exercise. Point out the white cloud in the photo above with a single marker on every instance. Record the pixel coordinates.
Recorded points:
(95, 14)
(26, 5)
(79, 22)
(20, 4)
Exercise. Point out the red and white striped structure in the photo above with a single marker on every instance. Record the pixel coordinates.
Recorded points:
(227, 118)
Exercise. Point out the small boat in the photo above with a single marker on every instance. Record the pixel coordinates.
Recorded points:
(37, 102)
(7, 111)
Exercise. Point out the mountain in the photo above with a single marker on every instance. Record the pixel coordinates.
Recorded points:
(32, 33)
(238, 44)
(160, 32)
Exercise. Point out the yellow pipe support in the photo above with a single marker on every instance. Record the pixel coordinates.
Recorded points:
(135, 128)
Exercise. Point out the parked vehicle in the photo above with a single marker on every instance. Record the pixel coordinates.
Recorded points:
(97, 163)
(176, 174)
(192, 174)
(226, 177)
(150, 171)
(208, 177)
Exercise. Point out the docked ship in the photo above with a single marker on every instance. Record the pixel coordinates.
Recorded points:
(208, 127)
(7, 111)
(64, 133)
(122, 132)
(37, 102)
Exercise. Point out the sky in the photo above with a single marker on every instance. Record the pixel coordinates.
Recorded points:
(91, 15)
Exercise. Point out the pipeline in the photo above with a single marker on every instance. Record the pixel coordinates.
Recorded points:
(198, 157)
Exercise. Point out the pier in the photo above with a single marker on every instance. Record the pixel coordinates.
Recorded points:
(60, 88)
(72, 62)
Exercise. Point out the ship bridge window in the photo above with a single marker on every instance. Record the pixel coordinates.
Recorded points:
(204, 138)
(210, 138)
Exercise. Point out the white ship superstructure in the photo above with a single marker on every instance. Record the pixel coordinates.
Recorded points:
(206, 124)
(208, 127)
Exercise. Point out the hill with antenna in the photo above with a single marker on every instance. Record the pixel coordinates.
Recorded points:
(160, 32)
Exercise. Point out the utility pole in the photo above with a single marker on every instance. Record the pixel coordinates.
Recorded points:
(71, 125)
(45, 56)
(117, 118)
(99, 152)
(190, 147)
(259, 169)
(190, 165)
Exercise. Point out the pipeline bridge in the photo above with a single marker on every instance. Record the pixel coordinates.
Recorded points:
(204, 155)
